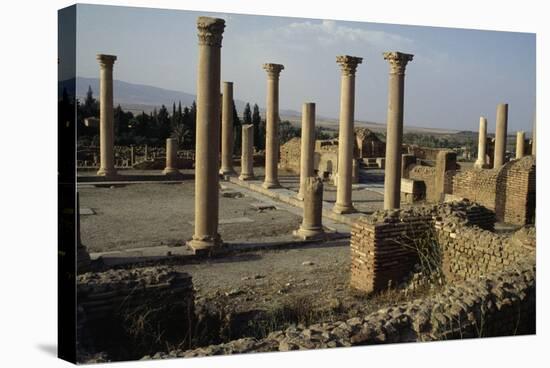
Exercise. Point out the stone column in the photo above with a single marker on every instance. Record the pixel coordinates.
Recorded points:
(482, 144)
(171, 157)
(106, 116)
(247, 156)
(312, 224)
(307, 145)
(520, 144)
(346, 135)
(145, 153)
(207, 150)
(445, 161)
(394, 137)
(132, 156)
(227, 129)
(272, 126)
(500, 135)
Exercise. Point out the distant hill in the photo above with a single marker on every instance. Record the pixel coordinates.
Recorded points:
(141, 97)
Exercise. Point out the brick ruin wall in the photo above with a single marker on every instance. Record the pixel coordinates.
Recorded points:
(501, 304)
(122, 308)
(473, 252)
(510, 191)
(383, 245)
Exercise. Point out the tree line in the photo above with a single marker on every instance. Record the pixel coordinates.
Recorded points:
(154, 127)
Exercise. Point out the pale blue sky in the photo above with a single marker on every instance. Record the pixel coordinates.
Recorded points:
(456, 76)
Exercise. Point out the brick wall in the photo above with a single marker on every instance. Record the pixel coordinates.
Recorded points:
(510, 190)
(383, 245)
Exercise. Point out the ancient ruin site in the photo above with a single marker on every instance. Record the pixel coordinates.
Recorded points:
(236, 237)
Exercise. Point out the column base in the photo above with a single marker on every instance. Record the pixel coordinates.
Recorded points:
(205, 244)
(171, 171)
(271, 185)
(245, 177)
(107, 172)
(316, 233)
(300, 196)
(227, 171)
(343, 209)
(480, 165)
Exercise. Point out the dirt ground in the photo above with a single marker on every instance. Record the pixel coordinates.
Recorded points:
(145, 215)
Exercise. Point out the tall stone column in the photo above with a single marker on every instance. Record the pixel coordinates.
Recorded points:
(500, 135)
(272, 126)
(346, 135)
(106, 116)
(394, 136)
(312, 223)
(247, 156)
(227, 129)
(207, 149)
(171, 157)
(307, 145)
(520, 144)
(482, 144)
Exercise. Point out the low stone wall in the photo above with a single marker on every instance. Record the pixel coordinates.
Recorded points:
(125, 309)
(500, 304)
(427, 175)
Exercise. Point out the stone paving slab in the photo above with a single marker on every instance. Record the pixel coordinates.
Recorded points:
(234, 220)
(186, 254)
(288, 196)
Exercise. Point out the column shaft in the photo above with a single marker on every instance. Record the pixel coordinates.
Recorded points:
(207, 134)
(247, 149)
(312, 223)
(227, 129)
(394, 135)
(501, 134)
(272, 126)
(482, 144)
(346, 136)
(106, 116)
(520, 144)
(307, 145)
(171, 157)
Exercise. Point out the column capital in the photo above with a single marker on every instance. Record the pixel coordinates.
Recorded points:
(398, 61)
(273, 70)
(210, 31)
(106, 60)
(348, 64)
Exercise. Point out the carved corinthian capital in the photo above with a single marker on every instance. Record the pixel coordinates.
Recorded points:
(398, 61)
(210, 31)
(106, 61)
(273, 70)
(348, 64)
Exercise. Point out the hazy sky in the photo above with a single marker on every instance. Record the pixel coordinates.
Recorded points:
(456, 76)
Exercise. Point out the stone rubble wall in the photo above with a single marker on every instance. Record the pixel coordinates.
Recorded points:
(472, 252)
(427, 175)
(384, 245)
(499, 304)
(112, 305)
